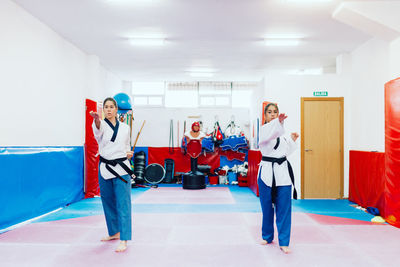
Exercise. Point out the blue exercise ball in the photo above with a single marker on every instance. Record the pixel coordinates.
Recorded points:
(123, 101)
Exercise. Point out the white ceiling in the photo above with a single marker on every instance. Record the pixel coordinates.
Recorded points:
(224, 35)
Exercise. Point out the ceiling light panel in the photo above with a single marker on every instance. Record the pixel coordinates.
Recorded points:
(281, 42)
(147, 41)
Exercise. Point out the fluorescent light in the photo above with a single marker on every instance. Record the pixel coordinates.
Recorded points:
(147, 41)
(201, 69)
(131, 2)
(284, 36)
(308, 1)
(281, 42)
(201, 74)
(311, 71)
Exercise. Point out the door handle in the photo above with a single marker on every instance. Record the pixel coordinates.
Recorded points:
(308, 150)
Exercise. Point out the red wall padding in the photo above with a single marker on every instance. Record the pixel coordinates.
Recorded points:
(367, 178)
(367, 187)
(392, 152)
(182, 162)
(254, 158)
(91, 147)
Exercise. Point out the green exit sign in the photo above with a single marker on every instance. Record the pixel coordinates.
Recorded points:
(320, 93)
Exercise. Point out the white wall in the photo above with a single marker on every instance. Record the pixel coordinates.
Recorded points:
(287, 90)
(110, 86)
(44, 82)
(369, 73)
(155, 133)
(394, 59)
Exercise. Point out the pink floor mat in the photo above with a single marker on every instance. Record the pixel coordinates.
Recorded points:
(199, 239)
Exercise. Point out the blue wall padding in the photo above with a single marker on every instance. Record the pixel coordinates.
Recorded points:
(37, 180)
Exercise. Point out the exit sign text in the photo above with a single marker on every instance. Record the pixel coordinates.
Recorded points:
(320, 93)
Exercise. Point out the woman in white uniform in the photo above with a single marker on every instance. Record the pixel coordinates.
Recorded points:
(114, 173)
(275, 177)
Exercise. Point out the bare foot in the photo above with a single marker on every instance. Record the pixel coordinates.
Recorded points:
(265, 242)
(108, 238)
(122, 246)
(285, 249)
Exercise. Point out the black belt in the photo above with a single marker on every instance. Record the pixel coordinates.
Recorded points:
(114, 163)
(280, 161)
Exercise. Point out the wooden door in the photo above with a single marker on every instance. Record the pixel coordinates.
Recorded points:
(322, 147)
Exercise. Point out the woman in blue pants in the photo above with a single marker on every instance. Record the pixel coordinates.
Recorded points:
(275, 177)
(114, 173)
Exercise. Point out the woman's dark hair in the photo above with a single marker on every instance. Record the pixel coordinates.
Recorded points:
(110, 99)
(271, 104)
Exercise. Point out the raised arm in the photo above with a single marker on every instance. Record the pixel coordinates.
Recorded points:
(96, 117)
(273, 129)
(97, 128)
(270, 131)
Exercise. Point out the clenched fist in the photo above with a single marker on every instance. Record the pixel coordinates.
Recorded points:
(294, 136)
(95, 115)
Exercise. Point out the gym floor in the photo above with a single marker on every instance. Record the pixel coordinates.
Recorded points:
(218, 226)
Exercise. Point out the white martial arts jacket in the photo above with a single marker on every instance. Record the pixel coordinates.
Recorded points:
(269, 133)
(112, 150)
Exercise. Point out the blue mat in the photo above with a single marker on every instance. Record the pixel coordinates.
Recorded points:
(245, 201)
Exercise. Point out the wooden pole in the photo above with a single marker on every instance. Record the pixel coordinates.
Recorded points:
(137, 136)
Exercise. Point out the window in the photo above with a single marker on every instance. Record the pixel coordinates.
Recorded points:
(215, 94)
(155, 100)
(223, 101)
(241, 98)
(194, 94)
(181, 95)
(148, 88)
(215, 88)
(139, 100)
(148, 93)
(207, 101)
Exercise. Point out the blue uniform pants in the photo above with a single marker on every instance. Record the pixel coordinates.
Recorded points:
(116, 199)
(283, 206)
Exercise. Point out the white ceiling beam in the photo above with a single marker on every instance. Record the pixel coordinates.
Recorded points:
(369, 18)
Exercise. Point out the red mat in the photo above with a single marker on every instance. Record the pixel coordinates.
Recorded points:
(331, 220)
